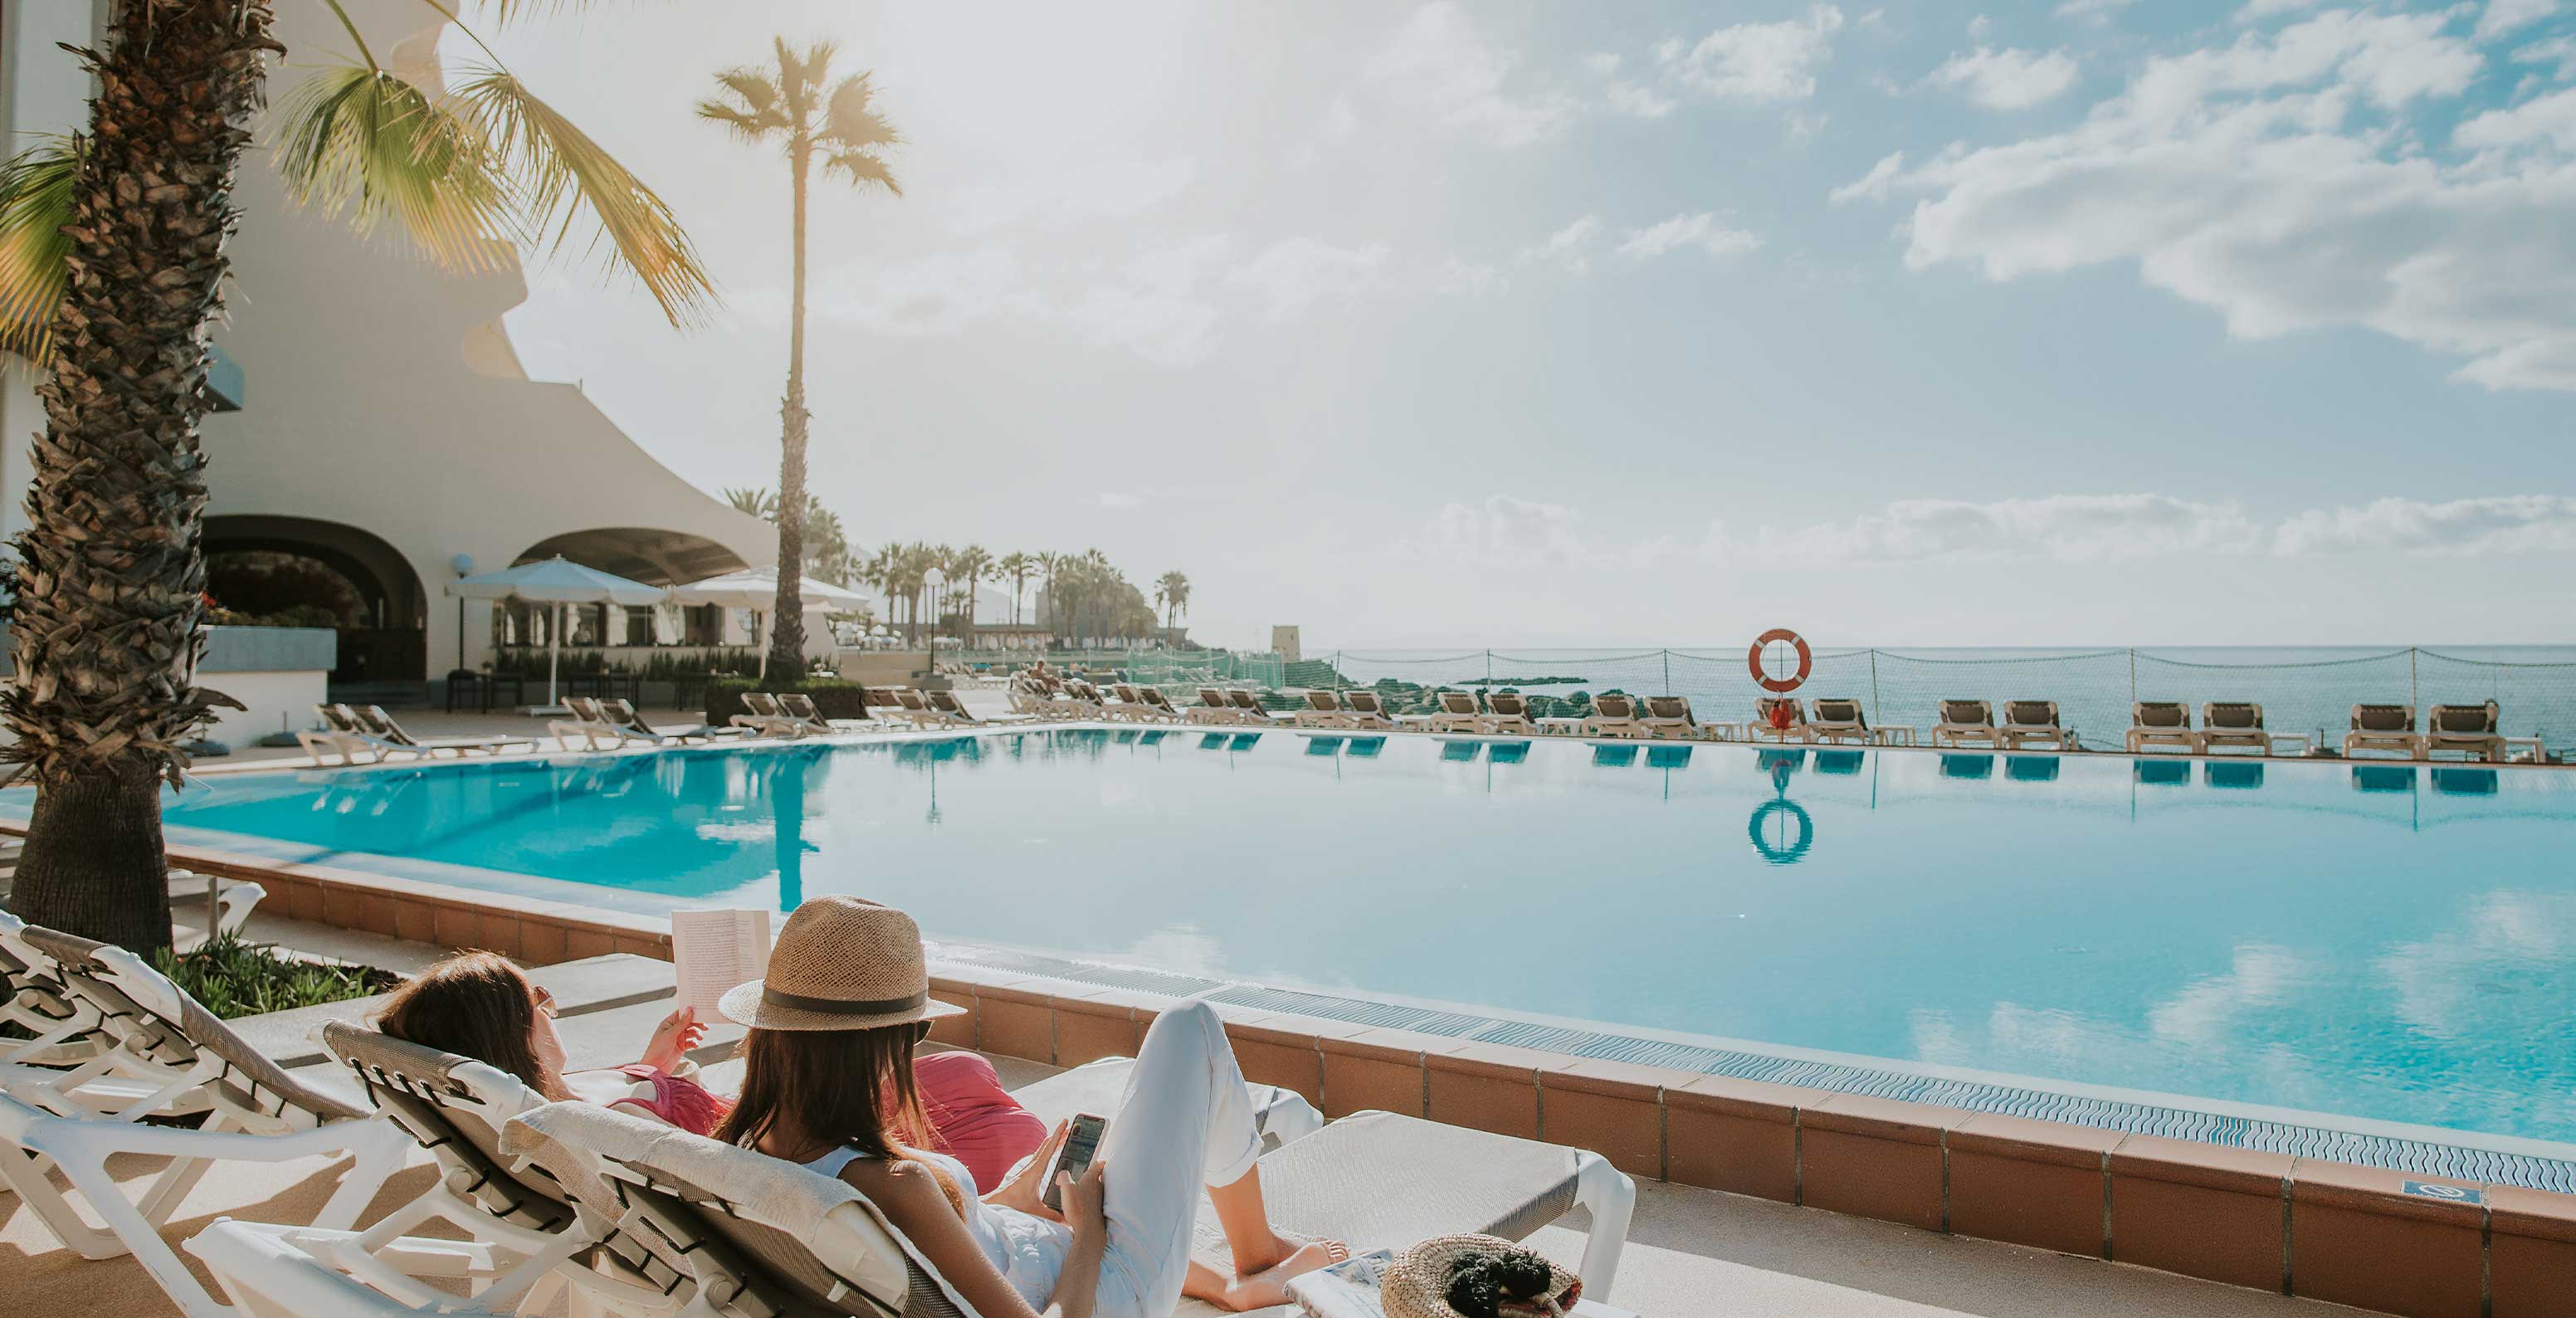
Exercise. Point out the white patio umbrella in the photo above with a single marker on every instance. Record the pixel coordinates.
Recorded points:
(560, 582)
(756, 588)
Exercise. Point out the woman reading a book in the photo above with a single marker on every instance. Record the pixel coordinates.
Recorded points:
(479, 1005)
(829, 1083)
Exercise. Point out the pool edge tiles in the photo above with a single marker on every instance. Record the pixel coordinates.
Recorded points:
(2392, 1146)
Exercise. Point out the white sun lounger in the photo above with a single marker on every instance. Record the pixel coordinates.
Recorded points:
(1323, 710)
(1613, 715)
(622, 719)
(1838, 719)
(1212, 708)
(1366, 712)
(765, 717)
(1457, 713)
(2384, 728)
(2033, 721)
(1507, 713)
(2161, 723)
(184, 1062)
(1966, 722)
(2476, 731)
(1670, 717)
(1249, 709)
(377, 723)
(750, 1224)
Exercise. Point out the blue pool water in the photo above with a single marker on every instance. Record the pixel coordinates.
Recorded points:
(2388, 942)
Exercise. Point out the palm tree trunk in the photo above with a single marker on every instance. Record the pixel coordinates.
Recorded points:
(110, 612)
(787, 628)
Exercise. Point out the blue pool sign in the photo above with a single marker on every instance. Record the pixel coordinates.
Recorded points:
(2451, 1193)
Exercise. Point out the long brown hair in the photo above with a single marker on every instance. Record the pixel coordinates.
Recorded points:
(478, 1005)
(845, 1088)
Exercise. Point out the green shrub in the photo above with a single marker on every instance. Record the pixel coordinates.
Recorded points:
(233, 978)
(833, 697)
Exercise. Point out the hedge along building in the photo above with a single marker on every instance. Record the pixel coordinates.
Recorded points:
(376, 424)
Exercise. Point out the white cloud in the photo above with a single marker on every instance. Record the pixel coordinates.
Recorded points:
(1120, 501)
(1637, 100)
(1504, 531)
(2092, 12)
(2007, 79)
(1439, 55)
(1295, 273)
(1111, 189)
(2503, 16)
(938, 294)
(1154, 307)
(1462, 276)
(1979, 26)
(2560, 51)
(1758, 62)
(2078, 528)
(2542, 120)
(1570, 246)
(1874, 185)
(2504, 524)
(2256, 11)
(2247, 178)
(1702, 231)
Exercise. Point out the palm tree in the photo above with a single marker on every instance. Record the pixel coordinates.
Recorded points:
(753, 503)
(796, 105)
(1172, 591)
(1015, 567)
(112, 270)
(970, 565)
(1048, 565)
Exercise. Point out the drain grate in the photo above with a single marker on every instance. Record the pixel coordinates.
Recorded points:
(2419, 1156)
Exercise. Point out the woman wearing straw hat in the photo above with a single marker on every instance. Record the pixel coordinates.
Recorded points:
(828, 1082)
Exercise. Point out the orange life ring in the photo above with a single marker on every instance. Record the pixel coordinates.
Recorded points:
(1778, 686)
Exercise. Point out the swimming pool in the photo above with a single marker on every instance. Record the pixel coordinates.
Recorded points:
(2380, 941)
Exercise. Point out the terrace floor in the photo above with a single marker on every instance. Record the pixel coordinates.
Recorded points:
(1690, 1251)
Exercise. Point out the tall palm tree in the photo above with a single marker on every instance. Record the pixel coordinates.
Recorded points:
(1048, 565)
(1172, 591)
(970, 565)
(796, 105)
(1015, 567)
(112, 270)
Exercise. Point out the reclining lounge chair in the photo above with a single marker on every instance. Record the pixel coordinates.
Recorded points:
(1248, 708)
(1457, 713)
(1838, 719)
(762, 1236)
(1779, 719)
(1367, 712)
(2383, 728)
(2161, 723)
(2239, 723)
(175, 1059)
(1966, 722)
(2029, 721)
(2476, 731)
(1670, 716)
(377, 723)
(1323, 710)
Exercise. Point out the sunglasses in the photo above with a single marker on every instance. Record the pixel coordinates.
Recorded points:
(545, 1001)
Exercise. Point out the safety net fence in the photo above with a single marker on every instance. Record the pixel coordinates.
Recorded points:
(2094, 690)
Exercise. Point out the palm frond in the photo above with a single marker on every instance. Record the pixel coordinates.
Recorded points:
(850, 119)
(559, 173)
(35, 204)
(503, 11)
(863, 169)
(367, 141)
(758, 93)
(746, 126)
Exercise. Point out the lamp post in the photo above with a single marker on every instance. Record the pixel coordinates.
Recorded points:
(464, 567)
(931, 581)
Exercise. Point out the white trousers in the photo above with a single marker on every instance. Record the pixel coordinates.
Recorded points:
(1185, 1122)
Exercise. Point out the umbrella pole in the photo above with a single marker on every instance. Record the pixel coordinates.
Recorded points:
(764, 644)
(554, 646)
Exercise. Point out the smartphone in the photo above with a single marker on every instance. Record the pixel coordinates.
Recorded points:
(1081, 1145)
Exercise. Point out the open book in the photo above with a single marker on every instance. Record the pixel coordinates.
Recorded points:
(1348, 1289)
(716, 950)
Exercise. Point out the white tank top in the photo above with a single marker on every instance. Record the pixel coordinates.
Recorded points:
(1028, 1251)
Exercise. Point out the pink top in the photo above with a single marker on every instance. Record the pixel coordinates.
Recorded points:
(976, 1122)
(676, 1099)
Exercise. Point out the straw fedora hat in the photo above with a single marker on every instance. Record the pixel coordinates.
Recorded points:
(840, 964)
(1416, 1285)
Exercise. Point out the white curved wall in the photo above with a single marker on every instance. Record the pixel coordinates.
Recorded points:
(384, 394)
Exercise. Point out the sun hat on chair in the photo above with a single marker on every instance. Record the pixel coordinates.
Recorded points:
(1472, 1276)
(840, 964)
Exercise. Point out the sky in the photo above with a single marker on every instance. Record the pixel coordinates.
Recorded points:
(1513, 325)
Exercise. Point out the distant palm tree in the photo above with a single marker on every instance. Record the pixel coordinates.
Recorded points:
(1015, 568)
(1048, 565)
(113, 269)
(968, 566)
(1173, 593)
(755, 503)
(796, 105)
